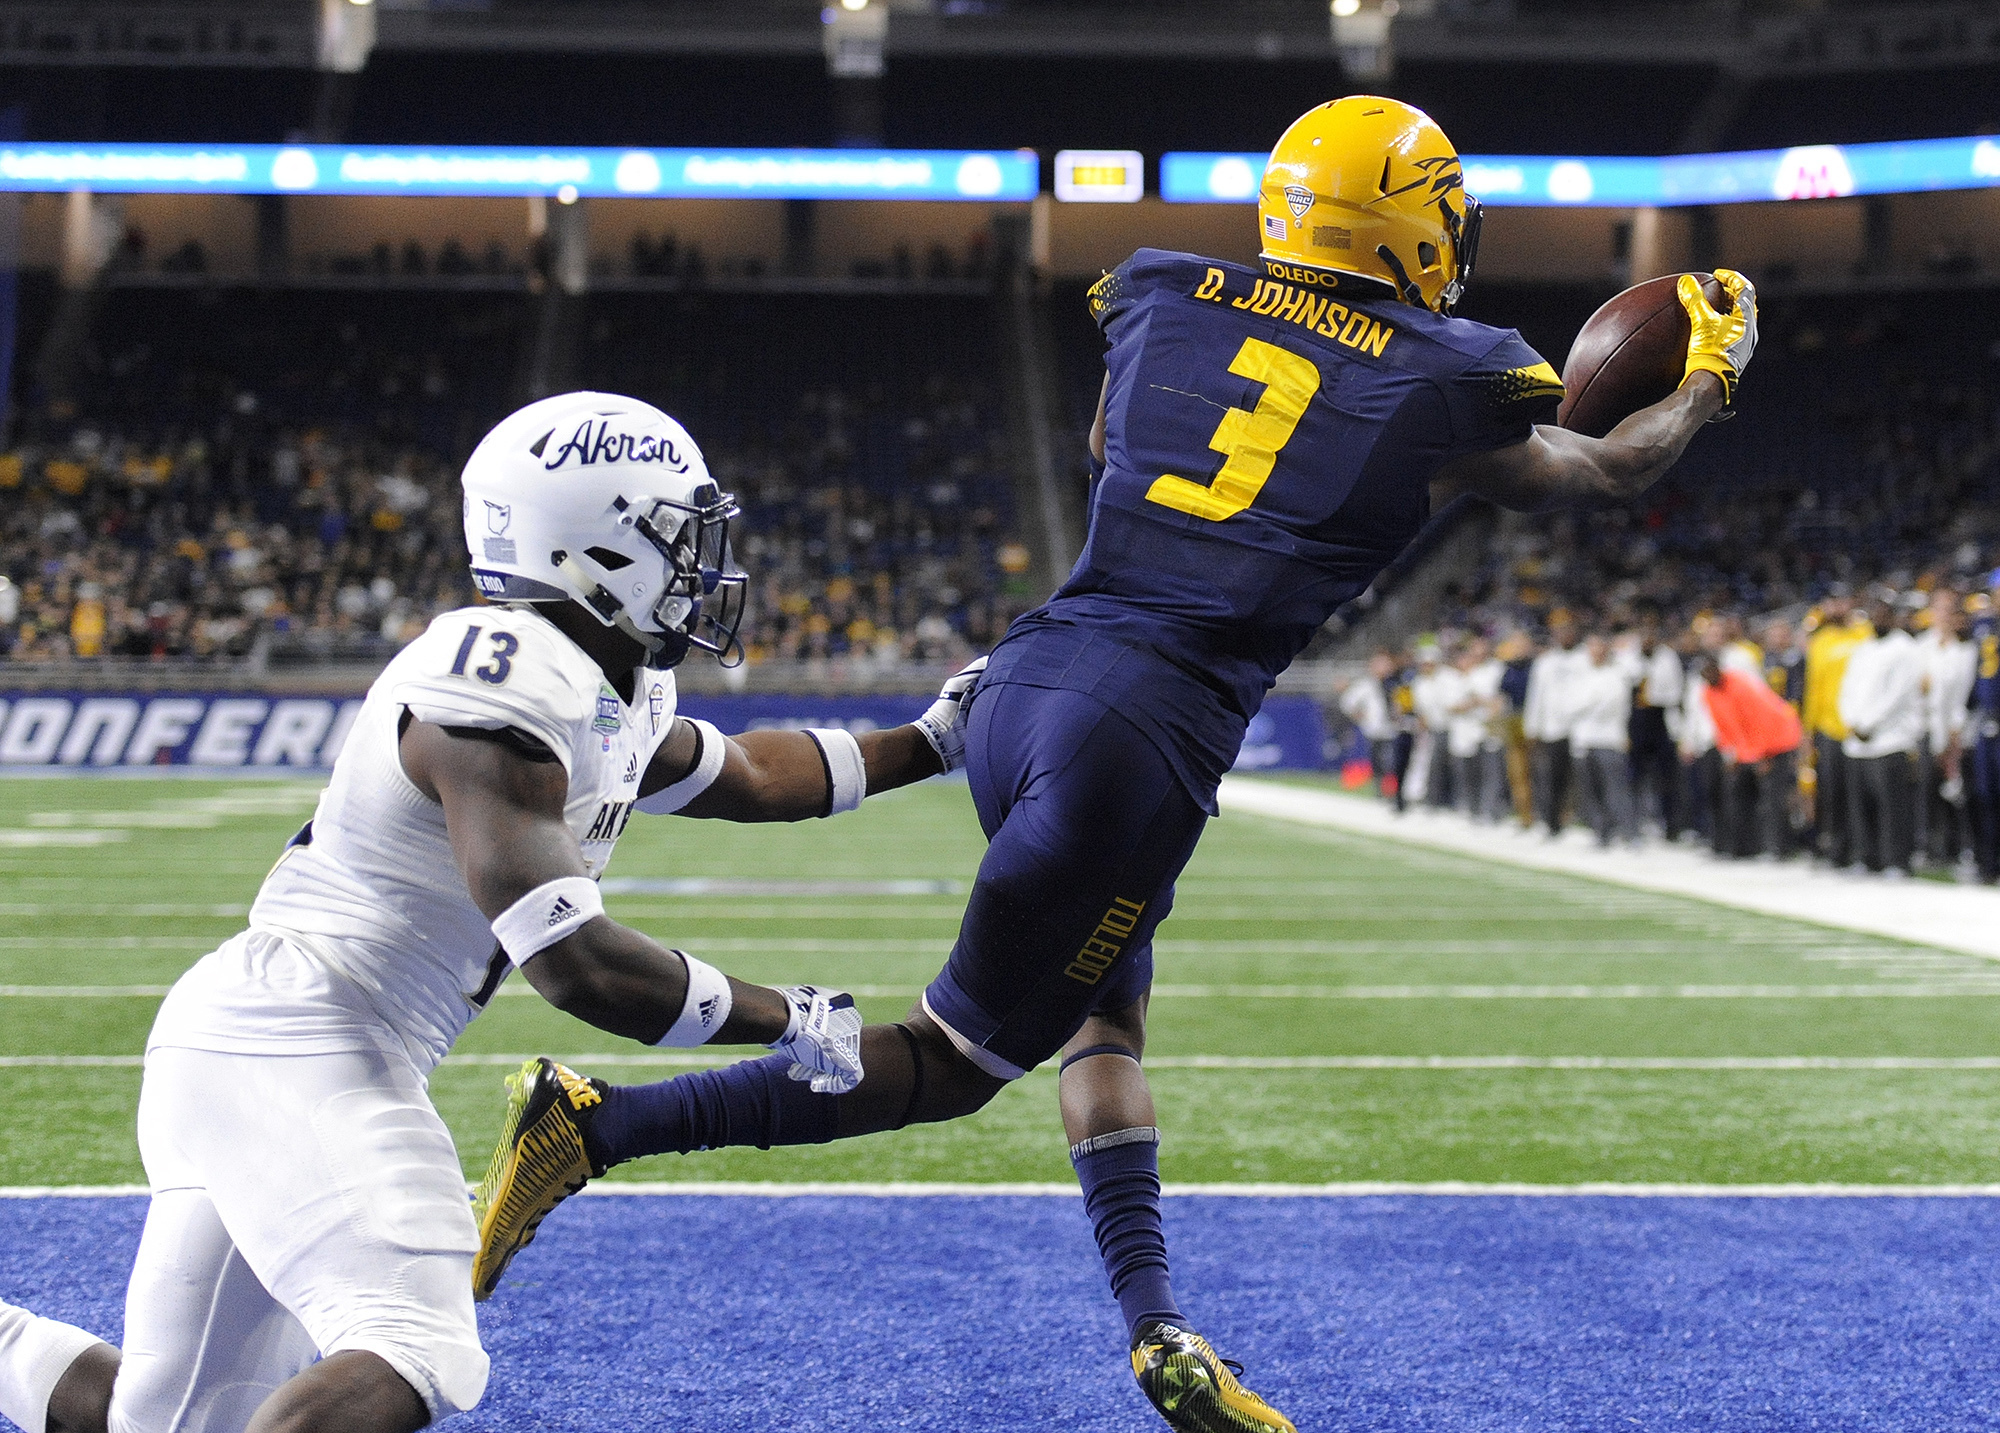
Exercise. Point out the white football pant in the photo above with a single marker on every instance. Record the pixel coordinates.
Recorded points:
(302, 1205)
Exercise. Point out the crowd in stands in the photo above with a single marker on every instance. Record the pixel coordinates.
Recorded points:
(1865, 734)
(280, 474)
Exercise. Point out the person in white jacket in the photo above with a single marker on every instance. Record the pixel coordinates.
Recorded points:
(1882, 703)
(1948, 664)
(1433, 692)
(1600, 709)
(1365, 701)
(1545, 720)
(1478, 774)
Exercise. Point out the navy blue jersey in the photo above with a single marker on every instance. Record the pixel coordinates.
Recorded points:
(1986, 671)
(1269, 443)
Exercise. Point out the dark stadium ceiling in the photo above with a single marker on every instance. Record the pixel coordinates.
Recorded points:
(1766, 36)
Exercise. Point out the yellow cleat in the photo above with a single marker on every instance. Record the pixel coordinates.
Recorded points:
(1195, 1390)
(540, 1161)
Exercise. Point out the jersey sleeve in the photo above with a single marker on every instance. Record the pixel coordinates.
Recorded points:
(1111, 295)
(1497, 398)
(491, 667)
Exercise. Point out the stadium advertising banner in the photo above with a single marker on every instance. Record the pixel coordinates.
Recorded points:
(1004, 175)
(101, 731)
(1812, 171)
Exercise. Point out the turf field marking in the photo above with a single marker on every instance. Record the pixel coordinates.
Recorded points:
(107, 942)
(1960, 918)
(1346, 1190)
(1692, 1063)
(138, 911)
(1447, 1189)
(81, 992)
(1988, 986)
(734, 886)
(1930, 990)
(1937, 989)
(60, 838)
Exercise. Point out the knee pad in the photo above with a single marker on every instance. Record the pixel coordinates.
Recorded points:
(425, 1329)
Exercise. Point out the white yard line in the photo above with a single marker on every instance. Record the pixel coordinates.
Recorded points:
(1979, 984)
(1963, 918)
(678, 1060)
(1348, 1190)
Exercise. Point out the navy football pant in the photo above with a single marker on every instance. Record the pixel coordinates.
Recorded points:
(1088, 829)
(1982, 796)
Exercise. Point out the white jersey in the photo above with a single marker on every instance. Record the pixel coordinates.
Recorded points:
(364, 935)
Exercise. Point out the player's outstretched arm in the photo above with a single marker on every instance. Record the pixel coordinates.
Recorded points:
(1555, 468)
(525, 872)
(795, 775)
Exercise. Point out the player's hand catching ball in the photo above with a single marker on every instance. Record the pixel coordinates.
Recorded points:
(1719, 343)
(823, 1038)
(943, 725)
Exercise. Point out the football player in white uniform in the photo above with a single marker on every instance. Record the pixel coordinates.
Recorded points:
(307, 1256)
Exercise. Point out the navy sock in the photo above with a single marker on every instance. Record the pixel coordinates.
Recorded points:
(1120, 1175)
(753, 1102)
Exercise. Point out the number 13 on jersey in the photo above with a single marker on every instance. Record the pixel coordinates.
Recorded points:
(1249, 441)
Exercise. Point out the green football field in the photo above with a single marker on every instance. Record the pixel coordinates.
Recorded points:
(1327, 1008)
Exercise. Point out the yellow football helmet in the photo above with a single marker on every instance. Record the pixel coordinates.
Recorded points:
(1371, 187)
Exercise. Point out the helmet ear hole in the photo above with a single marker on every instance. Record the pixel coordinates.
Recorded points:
(1427, 255)
(605, 558)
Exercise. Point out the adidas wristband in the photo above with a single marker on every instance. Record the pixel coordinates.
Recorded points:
(706, 1007)
(846, 772)
(707, 766)
(545, 915)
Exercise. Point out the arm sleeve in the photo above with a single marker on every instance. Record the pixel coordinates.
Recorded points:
(1497, 399)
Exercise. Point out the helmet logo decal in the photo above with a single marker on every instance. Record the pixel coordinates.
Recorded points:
(1274, 226)
(498, 516)
(1298, 199)
(595, 442)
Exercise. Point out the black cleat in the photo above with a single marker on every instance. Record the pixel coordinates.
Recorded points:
(540, 1161)
(1195, 1390)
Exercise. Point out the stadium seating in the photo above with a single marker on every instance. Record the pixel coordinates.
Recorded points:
(241, 462)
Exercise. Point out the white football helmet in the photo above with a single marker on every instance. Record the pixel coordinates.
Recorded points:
(605, 501)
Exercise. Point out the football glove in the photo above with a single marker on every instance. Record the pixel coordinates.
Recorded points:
(943, 725)
(1719, 343)
(823, 1038)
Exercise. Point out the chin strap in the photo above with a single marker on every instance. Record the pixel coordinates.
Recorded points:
(598, 599)
(1405, 290)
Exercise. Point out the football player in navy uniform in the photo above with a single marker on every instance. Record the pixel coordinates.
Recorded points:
(1268, 439)
(1982, 738)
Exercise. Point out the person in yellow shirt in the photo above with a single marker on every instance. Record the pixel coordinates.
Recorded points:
(1840, 631)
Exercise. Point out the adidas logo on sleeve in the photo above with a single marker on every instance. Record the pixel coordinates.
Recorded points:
(562, 910)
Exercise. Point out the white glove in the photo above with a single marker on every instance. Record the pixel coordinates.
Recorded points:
(943, 725)
(823, 1038)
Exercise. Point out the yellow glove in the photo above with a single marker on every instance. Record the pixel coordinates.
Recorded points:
(1719, 343)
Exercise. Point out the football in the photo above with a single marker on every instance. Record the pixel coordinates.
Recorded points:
(1629, 355)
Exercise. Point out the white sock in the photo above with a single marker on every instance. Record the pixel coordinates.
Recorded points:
(34, 1355)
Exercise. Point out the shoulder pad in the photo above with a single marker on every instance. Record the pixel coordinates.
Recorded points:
(495, 667)
(1152, 270)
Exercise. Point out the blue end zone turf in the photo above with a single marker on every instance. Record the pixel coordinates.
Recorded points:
(1392, 1313)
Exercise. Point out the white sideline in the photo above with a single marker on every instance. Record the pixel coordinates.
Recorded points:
(699, 1060)
(1354, 1190)
(1961, 918)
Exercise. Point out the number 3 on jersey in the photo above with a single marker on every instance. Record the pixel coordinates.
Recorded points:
(1251, 441)
(504, 645)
